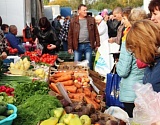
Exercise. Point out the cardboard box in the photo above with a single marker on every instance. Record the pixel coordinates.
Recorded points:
(71, 66)
(10, 59)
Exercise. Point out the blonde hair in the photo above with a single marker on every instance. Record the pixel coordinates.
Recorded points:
(143, 40)
(137, 14)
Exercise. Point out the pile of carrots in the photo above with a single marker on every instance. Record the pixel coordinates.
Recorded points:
(76, 91)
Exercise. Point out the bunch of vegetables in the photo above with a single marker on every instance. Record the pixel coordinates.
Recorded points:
(83, 109)
(76, 90)
(48, 59)
(28, 89)
(59, 117)
(36, 108)
(38, 58)
(33, 55)
(8, 90)
(13, 50)
(4, 111)
(6, 99)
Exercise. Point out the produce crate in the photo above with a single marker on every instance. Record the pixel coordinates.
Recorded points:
(98, 81)
(64, 55)
(72, 66)
(9, 119)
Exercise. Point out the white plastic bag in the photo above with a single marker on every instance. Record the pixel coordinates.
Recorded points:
(147, 105)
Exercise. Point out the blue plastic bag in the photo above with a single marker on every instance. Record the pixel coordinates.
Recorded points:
(112, 89)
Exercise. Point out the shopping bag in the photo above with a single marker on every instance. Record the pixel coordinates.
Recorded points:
(112, 89)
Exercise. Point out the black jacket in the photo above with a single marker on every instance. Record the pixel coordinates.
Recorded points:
(112, 27)
(47, 37)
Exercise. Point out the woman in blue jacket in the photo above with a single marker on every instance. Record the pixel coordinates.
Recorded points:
(128, 70)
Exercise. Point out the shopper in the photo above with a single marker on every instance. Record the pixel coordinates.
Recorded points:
(63, 36)
(146, 48)
(154, 8)
(3, 44)
(103, 60)
(5, 29)
(83, 35)
(127, 68)
(46, 36)
(117, 13)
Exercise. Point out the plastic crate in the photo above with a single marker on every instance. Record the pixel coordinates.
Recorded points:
(65, 56)
(9, 119)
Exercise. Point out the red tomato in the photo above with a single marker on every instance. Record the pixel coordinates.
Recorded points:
(15, 50)
(48, 46)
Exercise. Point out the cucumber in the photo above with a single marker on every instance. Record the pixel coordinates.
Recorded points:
(2, 117)
(3, 109)
(8, 112)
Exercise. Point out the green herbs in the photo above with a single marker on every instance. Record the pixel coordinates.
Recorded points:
(25, 90)
(35, 109)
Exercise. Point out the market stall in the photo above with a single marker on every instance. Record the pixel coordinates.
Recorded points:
(45, 94)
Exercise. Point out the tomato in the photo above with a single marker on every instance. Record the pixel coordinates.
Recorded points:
(11, 51)
(15, 50)
(49, 46)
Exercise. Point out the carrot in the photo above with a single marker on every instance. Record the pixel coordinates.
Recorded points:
(54, 88)
(75, 95)
(63, 78)
(90, 101)
(59, 74)
(71, 88)
(80, 90)
(67, 83)
(93, 95)
(78, 85)
(97, 100)
(87, 91)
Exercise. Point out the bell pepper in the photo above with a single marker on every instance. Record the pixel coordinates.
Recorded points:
(57, 112)
(67, 118)
(60, 124)
(61, 119)
(50, 121)
(75, 121)
(85, 119)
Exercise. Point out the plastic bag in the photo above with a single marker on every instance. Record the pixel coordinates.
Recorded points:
(147, 105)
(112, 89)
(117, 113)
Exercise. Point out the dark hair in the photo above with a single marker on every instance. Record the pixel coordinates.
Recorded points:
(0, 21)
(44, 23)
(59, 17)
(4, 26)
(81, 5)
(127, 11)
(154, 5)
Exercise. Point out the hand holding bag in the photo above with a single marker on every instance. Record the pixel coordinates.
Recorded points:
(112, 89)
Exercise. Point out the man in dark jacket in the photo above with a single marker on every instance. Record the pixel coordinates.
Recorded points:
(83, 35)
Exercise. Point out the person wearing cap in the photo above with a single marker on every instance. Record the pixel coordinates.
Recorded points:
(103, 67)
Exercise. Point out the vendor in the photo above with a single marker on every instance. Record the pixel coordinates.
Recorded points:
(13, 40)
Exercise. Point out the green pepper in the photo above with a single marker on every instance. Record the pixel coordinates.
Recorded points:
(85, 119)
(61, 119)
(50, 121)
(57, 112)
(75, 121)
(60, 124)
(67, 118)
